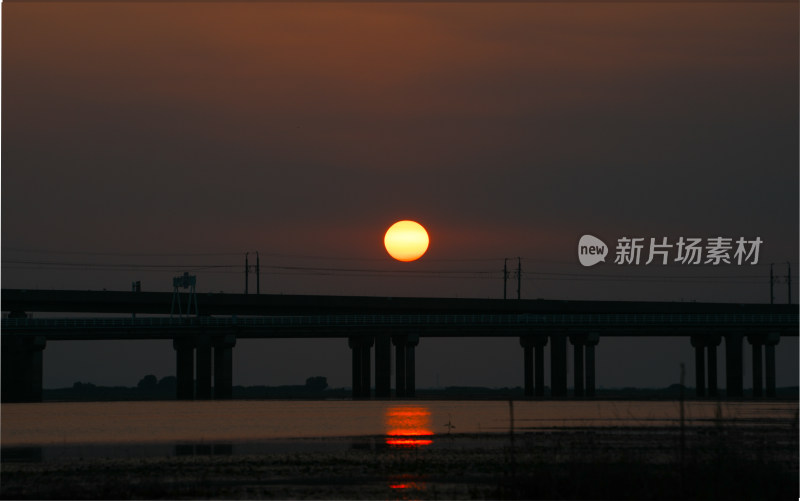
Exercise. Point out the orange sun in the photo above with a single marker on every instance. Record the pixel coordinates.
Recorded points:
(406, 240)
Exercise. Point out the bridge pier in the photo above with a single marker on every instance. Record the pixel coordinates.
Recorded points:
(196, 364)
(223, 367)
(360, 348)
(699, 366)
(22, 364)
(733, 364)
(558, 365)
(204, 369)
(405, 380)
(534, 366)
(767, 342)
(400, 366)
(184, 367)
(583, 362)
(711, 345)
(701, 345)
(769, 354)
(383, 367)
(577, 359)
(590, 341)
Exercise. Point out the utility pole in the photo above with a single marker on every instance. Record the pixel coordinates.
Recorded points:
(258, 275)
(246, 272)
(789, 281)
(771, 283)
(505, 276)
(519, 277)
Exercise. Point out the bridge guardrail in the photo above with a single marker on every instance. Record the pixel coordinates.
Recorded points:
(389, 320)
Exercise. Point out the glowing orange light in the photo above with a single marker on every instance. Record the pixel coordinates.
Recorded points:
(408, 427)
(406, 482)
(406, 240)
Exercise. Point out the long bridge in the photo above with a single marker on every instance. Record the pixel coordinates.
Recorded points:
(204, 344)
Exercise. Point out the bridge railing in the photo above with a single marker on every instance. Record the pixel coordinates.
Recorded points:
(401, 320)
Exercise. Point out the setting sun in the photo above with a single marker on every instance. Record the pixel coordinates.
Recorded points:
(406, 240)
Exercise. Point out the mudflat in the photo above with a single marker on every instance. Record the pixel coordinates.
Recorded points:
(745, 461)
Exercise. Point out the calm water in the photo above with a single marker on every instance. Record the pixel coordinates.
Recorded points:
(65, 424)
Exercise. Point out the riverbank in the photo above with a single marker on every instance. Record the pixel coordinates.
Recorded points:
(720, 461)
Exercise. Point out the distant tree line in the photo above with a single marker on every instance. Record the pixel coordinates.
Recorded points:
(316, 387)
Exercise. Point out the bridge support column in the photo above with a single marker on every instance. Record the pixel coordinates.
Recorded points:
(400, 366)
(360, 347)
(383, 367)
(533, 366)
(756, 342)
(527, 348)
(405, 381)
(589, 343)
(366, 379)
(577, 344)
(411, 370)
(711, 344)
(770, 342)
(539, 369)
(223, 367)
(204, 368)
(698, 343)
(705, 344)
(22, 360)
(733, 364)
(558, 365)
(766, 344)
(184, 367)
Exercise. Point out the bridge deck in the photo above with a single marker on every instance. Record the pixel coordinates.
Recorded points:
(477, 325)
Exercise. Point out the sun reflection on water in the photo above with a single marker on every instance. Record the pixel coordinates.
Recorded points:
(408, 427)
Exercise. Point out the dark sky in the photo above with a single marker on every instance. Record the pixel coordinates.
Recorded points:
(141, 140)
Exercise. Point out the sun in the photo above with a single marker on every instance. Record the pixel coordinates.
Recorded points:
(406, 240)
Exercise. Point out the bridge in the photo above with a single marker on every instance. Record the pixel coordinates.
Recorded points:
(204, 344)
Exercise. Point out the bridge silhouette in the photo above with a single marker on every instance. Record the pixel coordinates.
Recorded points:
(204, 344)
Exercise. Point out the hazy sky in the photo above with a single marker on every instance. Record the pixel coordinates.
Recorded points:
(141, 140)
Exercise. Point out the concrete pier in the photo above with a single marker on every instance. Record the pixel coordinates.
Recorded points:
(201, 360)
(583, 363)
(405, 380)
(558, 365)
(763, 344)
(411, 364)
(734, 373)
(590, 342)
(383, 367)
(184, 367)
(360, 347)
(204, 368)
(711, 346)
(400, 366)
(698, 343)
(223, 367)
(705, 350)
(577, 362)
(533, 352)
(22, 365)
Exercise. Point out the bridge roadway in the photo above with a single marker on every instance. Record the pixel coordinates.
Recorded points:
(383, 322)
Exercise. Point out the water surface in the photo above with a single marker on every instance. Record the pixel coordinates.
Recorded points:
(72, 423)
